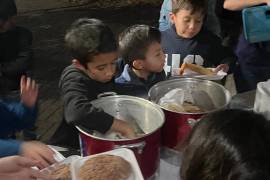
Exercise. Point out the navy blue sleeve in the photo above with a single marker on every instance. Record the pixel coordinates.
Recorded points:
(16, 116)
(9, 147)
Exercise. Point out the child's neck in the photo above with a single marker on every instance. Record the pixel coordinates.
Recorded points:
(141, 73)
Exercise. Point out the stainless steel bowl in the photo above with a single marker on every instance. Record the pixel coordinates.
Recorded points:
(147, 115)
(219, 96)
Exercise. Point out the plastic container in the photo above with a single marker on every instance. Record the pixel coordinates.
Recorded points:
(67, 161)
(127, 154)
(256, 23)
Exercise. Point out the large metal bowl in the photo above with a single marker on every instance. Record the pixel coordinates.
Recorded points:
(178, 125)
(219, 96)
(148, 117)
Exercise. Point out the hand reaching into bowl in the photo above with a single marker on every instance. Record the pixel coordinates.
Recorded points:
(124, 128)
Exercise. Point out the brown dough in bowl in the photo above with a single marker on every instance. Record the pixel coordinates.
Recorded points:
(103, 167)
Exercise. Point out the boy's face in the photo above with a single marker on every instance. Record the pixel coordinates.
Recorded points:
(102, 67)
(187, 24)
(154, 58)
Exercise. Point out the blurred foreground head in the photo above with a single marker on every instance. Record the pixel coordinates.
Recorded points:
(228, 145)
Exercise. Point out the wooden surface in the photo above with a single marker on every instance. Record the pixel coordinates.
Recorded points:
(50, 110)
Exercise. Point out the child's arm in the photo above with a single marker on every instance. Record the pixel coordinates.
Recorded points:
(24, 57)
(20, 115)
(78, 109)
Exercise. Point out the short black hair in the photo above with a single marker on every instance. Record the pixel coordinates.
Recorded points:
(229, 144)
(193, 5)
(89, 37)
(7, 9)
(135, 41)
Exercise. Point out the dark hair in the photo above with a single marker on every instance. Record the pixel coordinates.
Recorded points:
(7, 9)
(135, 41)
(89, 37)
(228, 145)
(193, 5)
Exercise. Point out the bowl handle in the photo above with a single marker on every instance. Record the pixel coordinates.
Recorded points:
(105, 94)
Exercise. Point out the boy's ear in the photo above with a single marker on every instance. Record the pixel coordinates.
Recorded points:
(77, 64)
(138, 64)
(172, 17)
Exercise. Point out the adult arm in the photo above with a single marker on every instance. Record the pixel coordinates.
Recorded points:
(236, 5)
(32, 149)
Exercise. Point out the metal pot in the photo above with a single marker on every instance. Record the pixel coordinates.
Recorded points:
(178, 124)
(148, 116)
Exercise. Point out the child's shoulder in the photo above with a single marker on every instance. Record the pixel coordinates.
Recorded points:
(71, 72)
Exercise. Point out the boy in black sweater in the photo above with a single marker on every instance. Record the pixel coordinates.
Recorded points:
(188, 41)
(94, 51)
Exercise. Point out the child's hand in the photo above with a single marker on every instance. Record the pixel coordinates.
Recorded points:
(223, 67)
(124, 128)
(39, 152)
(29, 91)
(13, 167)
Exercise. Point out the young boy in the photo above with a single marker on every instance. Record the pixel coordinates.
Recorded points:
(15, 51)
(187, 41)
(141, 51)
(94, 51)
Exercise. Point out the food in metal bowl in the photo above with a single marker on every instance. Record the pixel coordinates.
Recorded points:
(185, 107)
(107, 167)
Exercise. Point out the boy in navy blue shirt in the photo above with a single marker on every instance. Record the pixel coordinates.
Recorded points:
(188, 41)
(141, 51)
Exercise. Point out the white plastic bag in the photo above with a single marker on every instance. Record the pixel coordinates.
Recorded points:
(262, 99)
(177, 96)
